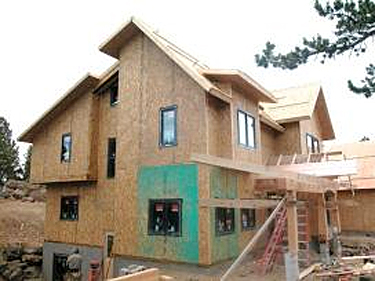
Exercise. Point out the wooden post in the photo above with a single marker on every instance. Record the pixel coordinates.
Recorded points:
(291, 261)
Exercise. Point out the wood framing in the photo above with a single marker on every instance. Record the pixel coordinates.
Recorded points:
(239, 203)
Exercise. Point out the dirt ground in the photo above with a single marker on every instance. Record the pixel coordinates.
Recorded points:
(21, 222)
(247, 271)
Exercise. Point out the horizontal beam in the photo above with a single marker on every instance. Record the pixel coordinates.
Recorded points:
(314, 184)
(239, 203)
(323, 169)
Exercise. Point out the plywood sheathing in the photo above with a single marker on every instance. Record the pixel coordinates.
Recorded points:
(85, 84)
(299, 103)
(79, 120)
(219, 127)
(150, 80)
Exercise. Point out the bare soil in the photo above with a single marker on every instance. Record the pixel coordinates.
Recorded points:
(21, 222)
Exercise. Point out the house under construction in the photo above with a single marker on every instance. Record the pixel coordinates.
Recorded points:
(163, 158)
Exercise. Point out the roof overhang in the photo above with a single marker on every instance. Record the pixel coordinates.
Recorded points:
(85, 84)
(118, 39)
(240, 80)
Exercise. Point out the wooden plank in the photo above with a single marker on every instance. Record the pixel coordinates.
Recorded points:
(306, 272)
(151, 274)
(354, 258)
(323, 169)
(239, 203)
(253, 241)
(268, 172)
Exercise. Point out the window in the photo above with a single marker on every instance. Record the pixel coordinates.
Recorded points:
(168, 126)
(165, 217)
(69, 208)
(247, 219)
(246, 129)
(113, 91)
(111, 161)
(66, 147)
(109, 240)
(312, 144)
(224, 221)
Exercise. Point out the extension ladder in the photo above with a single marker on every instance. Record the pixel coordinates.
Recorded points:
(274, 243)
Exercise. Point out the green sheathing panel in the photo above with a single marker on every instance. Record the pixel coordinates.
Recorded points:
(223, 184)
(162, 182)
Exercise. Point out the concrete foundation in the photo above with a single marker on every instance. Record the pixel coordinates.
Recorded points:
(291, 267)
(50, 248)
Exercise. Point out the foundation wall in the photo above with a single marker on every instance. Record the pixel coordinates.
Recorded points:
(50, 249)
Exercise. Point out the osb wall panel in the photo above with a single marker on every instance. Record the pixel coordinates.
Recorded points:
(357, 212)
(204, 222)
(219, 127)
(249, 105)
(288, 142)
(76, 120)
(85, 230)
(268, 142)
(148, 81)
(313, 127)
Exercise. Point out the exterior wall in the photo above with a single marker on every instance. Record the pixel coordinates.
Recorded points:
(313, 127)
(219, 127)
(46, 164)
(163, 182)
(268, 142)
(87, 230)
(87, 253)
(356, 212)
(289, 141)
(250, 106)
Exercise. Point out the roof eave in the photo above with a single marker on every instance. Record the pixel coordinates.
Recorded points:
(86, 83)
(240, 78)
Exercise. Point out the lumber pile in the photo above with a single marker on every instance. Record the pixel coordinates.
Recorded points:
(151, 274)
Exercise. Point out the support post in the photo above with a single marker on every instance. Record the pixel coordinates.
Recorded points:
(291, 258)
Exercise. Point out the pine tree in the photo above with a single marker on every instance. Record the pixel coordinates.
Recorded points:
(355, 28)
(9, 161)
(26, 165)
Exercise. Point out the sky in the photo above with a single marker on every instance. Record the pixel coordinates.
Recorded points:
(46, 46)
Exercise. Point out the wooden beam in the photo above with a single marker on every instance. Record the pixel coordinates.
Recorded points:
(239, 203)
(291, 208)
(253, 241)
(323, 169)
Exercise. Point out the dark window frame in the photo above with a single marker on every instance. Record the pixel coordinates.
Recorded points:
(111, 158)
(161, 126)
(64, 208)
(218, 212)
(315, 143)
(251, 219)
(113, 94)
(152, 216)
(247, 116)
(62, 158)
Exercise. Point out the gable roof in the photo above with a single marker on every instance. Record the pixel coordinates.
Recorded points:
(85, 84)
(196, 70)
(300, 103)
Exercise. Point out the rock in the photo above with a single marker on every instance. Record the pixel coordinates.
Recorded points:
(32, 259)
(6, 273)
(16, 274)
(13, 252)
(31, 272)
(28, 199)
(33, 250)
